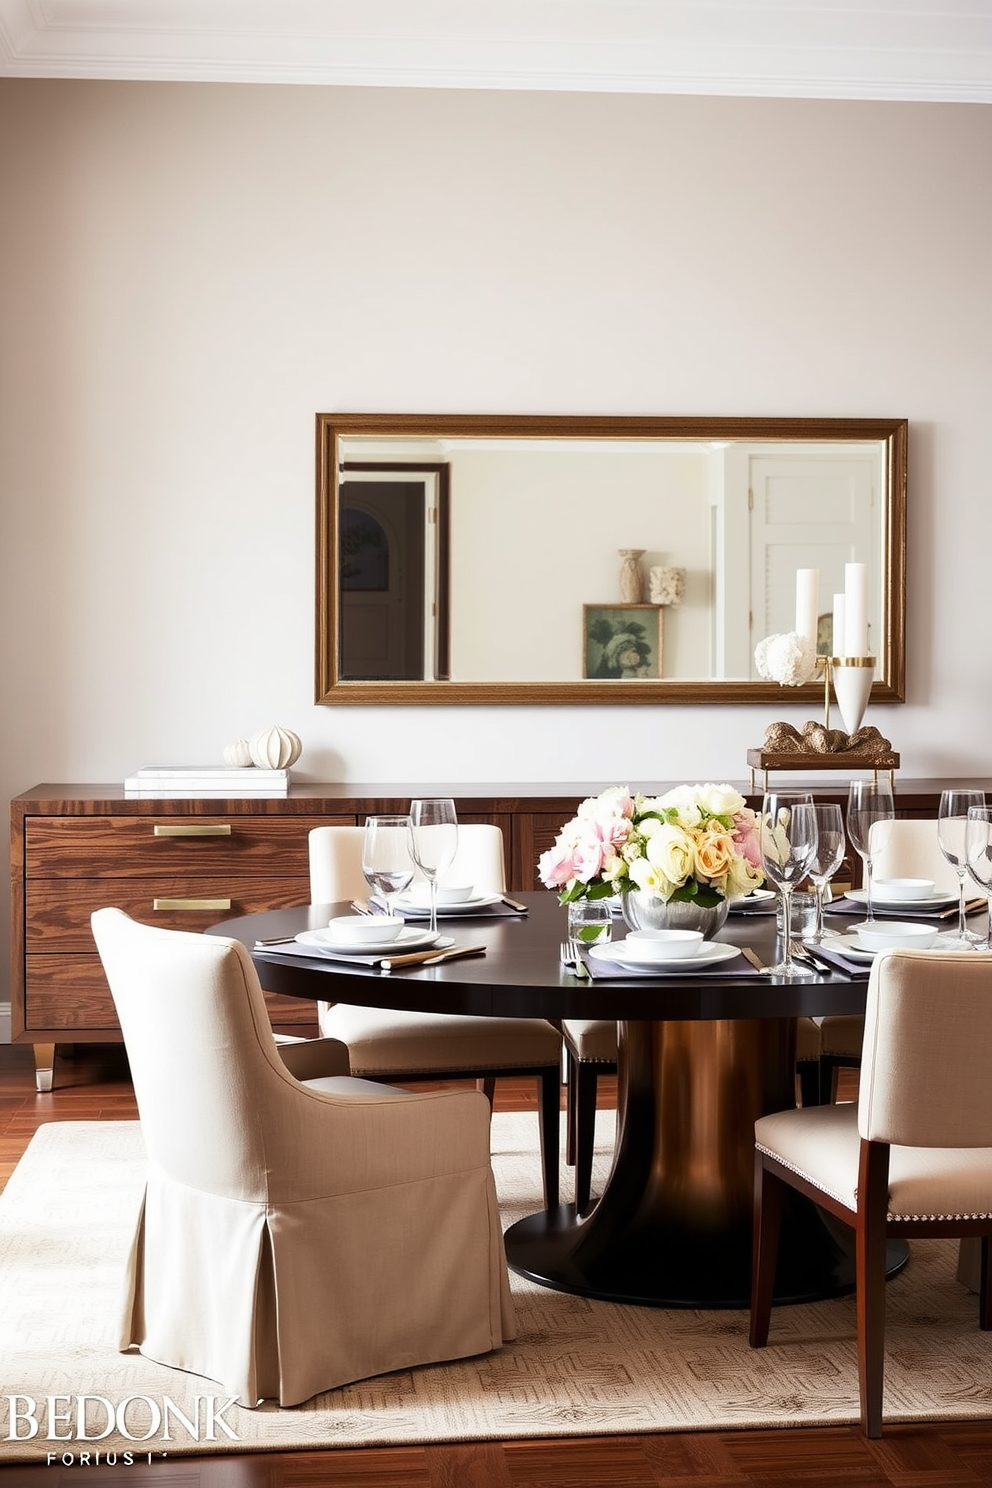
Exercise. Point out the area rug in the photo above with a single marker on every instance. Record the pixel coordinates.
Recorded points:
(577, 1368)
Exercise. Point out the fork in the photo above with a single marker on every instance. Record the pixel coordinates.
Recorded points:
(568, 953)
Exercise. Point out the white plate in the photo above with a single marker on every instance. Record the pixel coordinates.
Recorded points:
(763, 899)
(849, 946)
(624, 954)
(463, 906)
(936, 901)
(407, 940)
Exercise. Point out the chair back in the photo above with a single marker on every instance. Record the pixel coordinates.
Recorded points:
(925, 1063)
(910, 849)
(206, 1072)
(336, 861)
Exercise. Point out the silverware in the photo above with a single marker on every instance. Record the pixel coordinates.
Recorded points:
(568, 954)
(274, 940)
(514, 904)
(755, 960)
(430, 958)
(362, 907)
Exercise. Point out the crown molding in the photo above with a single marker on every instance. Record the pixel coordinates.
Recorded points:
(913, 50)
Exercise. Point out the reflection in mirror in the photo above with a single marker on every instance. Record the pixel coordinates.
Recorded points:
(484, 560)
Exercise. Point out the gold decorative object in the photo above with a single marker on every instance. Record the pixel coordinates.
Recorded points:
(817, 746)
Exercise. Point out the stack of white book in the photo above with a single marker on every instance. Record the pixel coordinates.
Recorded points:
(206, 780)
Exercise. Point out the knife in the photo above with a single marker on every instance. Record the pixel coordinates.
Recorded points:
(431, 958)
(514, 904)
(754, 958)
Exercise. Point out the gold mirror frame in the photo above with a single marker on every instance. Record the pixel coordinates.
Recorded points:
(332, 428)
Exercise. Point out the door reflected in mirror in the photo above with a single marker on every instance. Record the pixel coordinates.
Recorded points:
(459, 558)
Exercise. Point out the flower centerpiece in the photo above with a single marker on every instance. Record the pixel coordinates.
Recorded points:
(697, 845)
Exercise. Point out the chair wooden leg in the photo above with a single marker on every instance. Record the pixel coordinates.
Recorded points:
(586, 1085)
(809, 1082)
(549, 1119)
(768, 1195)
(571, 1075)
(870, 1237)
(488, 1088)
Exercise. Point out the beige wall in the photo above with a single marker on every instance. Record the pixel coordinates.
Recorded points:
(189, 272)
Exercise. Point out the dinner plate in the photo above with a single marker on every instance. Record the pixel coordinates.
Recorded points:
(414, 909)
(758, 899)
(624, 954)
(935, 901)
(407, 940)
(849, 946)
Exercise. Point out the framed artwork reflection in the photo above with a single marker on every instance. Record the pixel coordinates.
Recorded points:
(622, 641)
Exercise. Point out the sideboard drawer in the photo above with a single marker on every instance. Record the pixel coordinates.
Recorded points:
(119, 846)
(69, 998)
(57, 915)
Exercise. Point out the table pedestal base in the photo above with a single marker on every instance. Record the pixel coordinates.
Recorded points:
(673, 1227)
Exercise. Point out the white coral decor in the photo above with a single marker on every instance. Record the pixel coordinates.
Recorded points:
(788, 659)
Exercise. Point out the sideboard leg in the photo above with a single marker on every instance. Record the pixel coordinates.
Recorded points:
(44, 1066)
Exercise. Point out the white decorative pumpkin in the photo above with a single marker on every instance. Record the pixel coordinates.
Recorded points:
(276, 749)
(238, 754)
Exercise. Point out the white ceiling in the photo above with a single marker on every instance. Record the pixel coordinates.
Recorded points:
(929, 50)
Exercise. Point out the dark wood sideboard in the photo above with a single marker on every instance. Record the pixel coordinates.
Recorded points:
(188, 863)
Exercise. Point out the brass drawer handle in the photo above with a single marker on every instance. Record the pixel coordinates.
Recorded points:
(192, 829)
(191, 904)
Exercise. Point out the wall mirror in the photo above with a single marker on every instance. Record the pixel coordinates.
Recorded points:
(477, 559)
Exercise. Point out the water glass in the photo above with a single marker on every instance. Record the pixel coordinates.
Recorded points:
(590, 921)
(802, 918)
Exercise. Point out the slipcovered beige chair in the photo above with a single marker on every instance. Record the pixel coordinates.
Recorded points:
(591, 1051)
(410, 1046)
(293, 1236)
(913, 1155)
(907, 849)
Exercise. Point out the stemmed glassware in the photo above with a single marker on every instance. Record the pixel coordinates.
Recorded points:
(433, 841)
(870, 808)
(788, 847)
(952, 821)
(830, 845)
(978, 852)
(386, 861)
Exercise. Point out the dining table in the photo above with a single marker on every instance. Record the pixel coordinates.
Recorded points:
(703, 1051)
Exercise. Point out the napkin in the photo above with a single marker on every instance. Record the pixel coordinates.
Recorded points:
(837, 961)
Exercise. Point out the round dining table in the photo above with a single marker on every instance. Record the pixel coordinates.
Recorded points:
(702, 1054)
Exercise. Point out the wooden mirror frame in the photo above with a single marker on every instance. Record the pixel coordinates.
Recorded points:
(889, 684)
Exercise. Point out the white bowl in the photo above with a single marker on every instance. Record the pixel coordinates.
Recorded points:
(900, 935)
(666, 945)
(904, 888)
(420, 893)
(364, 929)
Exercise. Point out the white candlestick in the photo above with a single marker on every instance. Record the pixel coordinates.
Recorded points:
(807, 602)
(838, 640)
(855, 609)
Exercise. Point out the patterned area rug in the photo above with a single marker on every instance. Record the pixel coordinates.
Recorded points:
(577, 1368)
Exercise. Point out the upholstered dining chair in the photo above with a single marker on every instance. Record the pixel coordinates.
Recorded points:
(411, 1046)
(911, 1157)
(591, 1051)
(293, 1236)
(907, 849)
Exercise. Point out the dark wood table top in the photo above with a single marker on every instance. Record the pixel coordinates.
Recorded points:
(520, 974)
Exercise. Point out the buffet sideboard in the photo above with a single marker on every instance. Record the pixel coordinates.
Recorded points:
(187, 863)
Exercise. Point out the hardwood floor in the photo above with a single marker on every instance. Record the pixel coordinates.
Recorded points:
(93, 1085)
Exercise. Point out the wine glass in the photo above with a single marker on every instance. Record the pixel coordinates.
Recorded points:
(788, 847)
(978, 852)
(870, 809)
(952, 821)
(433, 841)
(830, 845)
(386, 861)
